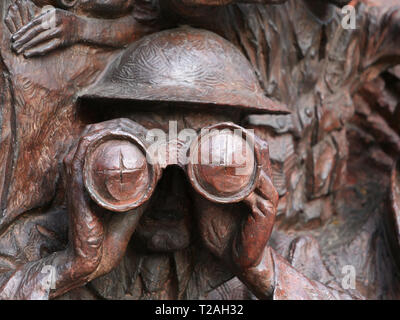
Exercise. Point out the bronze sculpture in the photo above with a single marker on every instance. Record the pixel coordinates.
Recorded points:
(66, 89)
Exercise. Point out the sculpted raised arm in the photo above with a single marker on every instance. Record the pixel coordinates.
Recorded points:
(36, 31)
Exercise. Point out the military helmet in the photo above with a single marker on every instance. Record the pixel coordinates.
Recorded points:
(184, 65)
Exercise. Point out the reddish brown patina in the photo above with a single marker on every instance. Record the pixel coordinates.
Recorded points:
(248, 153)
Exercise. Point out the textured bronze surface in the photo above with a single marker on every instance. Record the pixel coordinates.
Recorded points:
(88, 89)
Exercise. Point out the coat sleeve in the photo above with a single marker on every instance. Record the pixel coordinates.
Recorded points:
(293, 285)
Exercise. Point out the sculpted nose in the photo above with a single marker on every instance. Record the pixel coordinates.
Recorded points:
(171, 200)
(173, 184)
(172, 190)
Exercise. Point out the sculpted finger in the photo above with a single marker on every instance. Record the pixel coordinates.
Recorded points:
(266, 207)
(255, 232)
(74, 163)
(119, 231)
(68, 160)
(123, 224)
(118, 124)
(29, 27)
(23, 11)
(10, 24)
(28, 36)
(268, 210)
(16, 16)
(43, 49)
(31, 10)
(93, 132)
(267, 189)
(86, 226)
(12, 17)
(42, 37)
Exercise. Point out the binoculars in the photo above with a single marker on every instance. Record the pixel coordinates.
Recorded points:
(121, 169)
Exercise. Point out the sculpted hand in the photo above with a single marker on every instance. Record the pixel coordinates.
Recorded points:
(50, 30)
(98, 238)
(250, 242)
(20, 13)
(231, 233)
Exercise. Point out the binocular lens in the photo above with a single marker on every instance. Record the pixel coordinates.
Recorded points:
(117, 175)
(222, 166)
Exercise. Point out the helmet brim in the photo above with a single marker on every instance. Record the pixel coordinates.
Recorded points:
(206, 96)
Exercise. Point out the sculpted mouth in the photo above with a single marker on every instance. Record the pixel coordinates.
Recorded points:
(168, 240)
